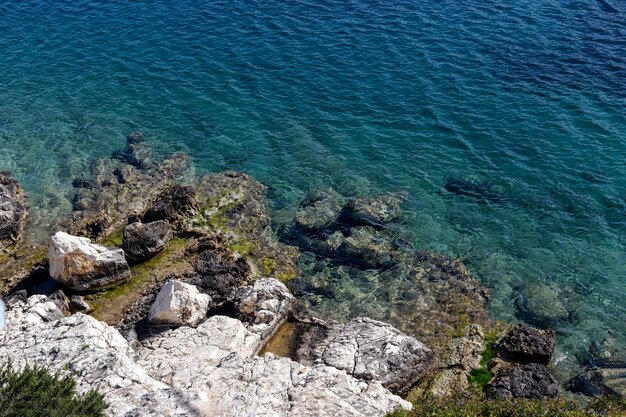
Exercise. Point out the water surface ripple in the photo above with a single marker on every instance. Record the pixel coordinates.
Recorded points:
(528, 97)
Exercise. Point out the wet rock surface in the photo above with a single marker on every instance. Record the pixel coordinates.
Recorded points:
(532, 380)
(373, 211)
(81, 265)
(13, 210)
(176, 205)
(320, 210)
(142, 241)
(351, 269)
(527, 344)
(369, 350)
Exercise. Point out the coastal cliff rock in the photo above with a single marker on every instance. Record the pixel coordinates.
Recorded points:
(206, 371)
(177, 205)
(84, 266)
(142, 241)
(13, 210)
(179, 304)
(369, 350)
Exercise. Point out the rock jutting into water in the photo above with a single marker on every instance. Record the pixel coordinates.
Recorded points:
(197, 329)
(13, 210)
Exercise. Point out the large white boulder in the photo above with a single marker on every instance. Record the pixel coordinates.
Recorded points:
(84, 266)
(179, 304)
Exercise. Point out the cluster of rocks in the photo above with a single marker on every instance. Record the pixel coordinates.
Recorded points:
(520, 369)
(186, 338)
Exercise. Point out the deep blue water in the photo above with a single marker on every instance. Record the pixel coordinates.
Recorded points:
(365, 96)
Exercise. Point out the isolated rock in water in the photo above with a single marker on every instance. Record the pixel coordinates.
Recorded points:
(208, 371)
(370, 350)
(177, 205)
(13, 210)
(527, 344)
(543, 304)
(144, 240)
(179, 304)
(319, 210)
(532, 380)
(373, 211)
(84, 266)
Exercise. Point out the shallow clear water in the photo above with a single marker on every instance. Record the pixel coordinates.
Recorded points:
(364, 96)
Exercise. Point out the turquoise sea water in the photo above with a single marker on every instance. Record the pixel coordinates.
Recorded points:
(528, 97)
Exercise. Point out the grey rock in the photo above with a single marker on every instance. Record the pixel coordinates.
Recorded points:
(179, 304)
(527, 344)
(373, 211)
(78, 304)
(532, 380)
(319, 210)
(144, 240)
(369, 350)
(84, 266)
(366, 248)
(13, 210)
(177, 205)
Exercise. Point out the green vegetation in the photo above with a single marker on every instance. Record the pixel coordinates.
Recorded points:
(475, 404)
(34, 392)
(482, 375)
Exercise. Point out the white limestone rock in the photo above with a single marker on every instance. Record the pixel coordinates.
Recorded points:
(267, 302)
(84, 266)
(179, 304)
(369, 350)
(208, 371)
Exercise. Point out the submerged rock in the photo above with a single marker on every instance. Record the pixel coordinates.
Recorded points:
(527, 344)
(13, 210)
(319, 210)
(144, 240)
(177, 205)
(532, 380)
(369, 350)
(373, 211)
(179, 304)
(81, 265)
(543, 304)
(366, 247)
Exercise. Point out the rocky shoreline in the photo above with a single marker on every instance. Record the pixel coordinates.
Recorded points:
(173, 295)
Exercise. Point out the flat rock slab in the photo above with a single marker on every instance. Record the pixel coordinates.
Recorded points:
(369, 350)
(84, 266)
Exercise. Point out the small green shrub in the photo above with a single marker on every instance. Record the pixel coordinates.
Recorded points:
(34, 392)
